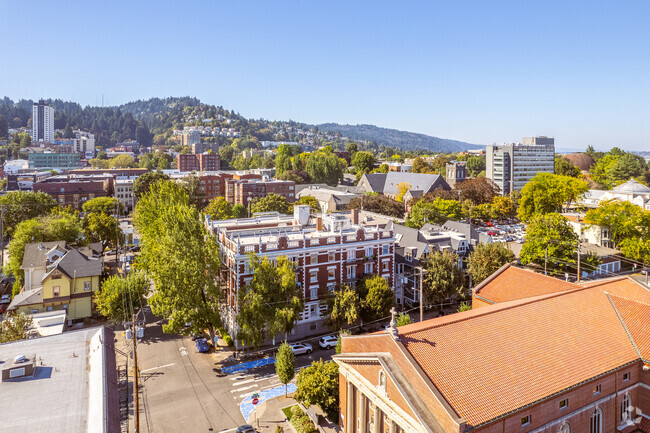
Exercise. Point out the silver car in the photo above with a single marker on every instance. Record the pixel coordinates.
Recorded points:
(300, 348)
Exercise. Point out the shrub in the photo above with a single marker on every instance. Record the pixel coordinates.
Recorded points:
(301, 422)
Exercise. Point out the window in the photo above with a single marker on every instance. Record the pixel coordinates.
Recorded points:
(596, 389)
(384, 266)
(368, 251)
(626, 404)
(65, 306)
(626, 377)
(56, 290)
(351, 255)
(351, 272)
(331, 274)
(313, 258)
(49, 308)
(400, 268)
(525, 420)
(564, 428)
(312, 311)
(331, 256)
(86, 286)
(596, 421)
(564, 403)
(34, 311)
(331, 287)
(368, 268)
(313, 292)
(385, 249)
(408, 256)
(313, 276)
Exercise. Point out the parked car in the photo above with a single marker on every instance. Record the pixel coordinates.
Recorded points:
(246, 429)
(202, 345)
(328, 341)
(5, 299)
(300, 348)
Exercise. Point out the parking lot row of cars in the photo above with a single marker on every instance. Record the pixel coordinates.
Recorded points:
(505, 232)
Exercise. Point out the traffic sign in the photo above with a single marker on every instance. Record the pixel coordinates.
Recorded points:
(255, 401)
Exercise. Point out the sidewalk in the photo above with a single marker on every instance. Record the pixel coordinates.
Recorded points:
(270, 416)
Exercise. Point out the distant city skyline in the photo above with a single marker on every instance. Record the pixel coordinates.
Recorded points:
(477, 72)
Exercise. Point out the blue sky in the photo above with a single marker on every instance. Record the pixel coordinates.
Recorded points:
(476, 71)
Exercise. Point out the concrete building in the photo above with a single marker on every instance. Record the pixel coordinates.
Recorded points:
(61, 383)
(116, 173)
(328, 250)
(190, 137)
(535, 354)
(511, 166)
(42, 122)
(14, 166)
(84, 144)
(25, 181)
(630, 191)
(54, 161)
(456, 172)
(124, 193)
(74, 191)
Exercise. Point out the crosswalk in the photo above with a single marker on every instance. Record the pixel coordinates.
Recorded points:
(244, 385)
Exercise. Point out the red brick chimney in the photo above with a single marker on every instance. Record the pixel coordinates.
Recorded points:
(354, 213)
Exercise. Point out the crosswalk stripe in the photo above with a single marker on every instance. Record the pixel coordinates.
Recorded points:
(244, 388)
(243, 382)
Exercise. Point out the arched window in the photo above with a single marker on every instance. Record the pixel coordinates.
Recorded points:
(564, 428)
(596, 421)
(626, 405)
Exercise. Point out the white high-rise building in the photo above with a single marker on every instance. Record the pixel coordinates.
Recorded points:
(512, 165)
(42, 122)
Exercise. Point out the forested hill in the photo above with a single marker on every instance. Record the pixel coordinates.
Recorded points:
(398, 139)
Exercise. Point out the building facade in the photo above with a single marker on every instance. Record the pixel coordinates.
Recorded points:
(198, 162)
(74, 191)
(243, 191)
(53, 160)
(116, 173)
(456, 172)
(124, 193)
(328, 251)
(84, 144)
(511, 166)
(42, 122)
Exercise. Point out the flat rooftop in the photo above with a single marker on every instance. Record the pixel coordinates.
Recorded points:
(68, 391)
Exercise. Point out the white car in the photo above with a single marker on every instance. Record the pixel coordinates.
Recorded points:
(300, 348)
(328, 341)
(5, 299)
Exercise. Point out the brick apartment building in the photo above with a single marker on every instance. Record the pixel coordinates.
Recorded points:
(74, 191)
(535, 354)
(198, 162)
(245, 188)
(328, 251)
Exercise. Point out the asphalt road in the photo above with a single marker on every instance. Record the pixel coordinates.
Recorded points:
(183, 390)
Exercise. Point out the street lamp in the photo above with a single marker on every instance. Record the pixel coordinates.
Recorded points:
(250, 199)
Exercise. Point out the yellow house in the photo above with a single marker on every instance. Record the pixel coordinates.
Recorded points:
(68, 280)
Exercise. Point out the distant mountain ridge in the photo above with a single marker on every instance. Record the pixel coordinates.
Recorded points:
(398, 139)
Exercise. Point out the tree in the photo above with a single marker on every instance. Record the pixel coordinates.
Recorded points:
(143, 183)
(121, 297)
(344, 308)
(421, 166)
(20, 206)
(219, 209)
(564, 167)
(550, 236)
(181, 257)
(105, 205)
(192, 186)
(300, 177)
(67, 132)
(402, 188)
(352, 148)
(464, 306)
(104, 228)
(102, 155)
(319, 384)
(547, 192)
(623, 219)
(403, 319)
(123, 161)
(636, 249)
(379, 204)
(311, 201)
(324, 167)
(271, 303)
(363, 162)
(479, 191)
(475, 165)
(283, 159)
(15, 327)
(487, 259)
(4, 127)
(377, 298)
(238, 211)
(436, 212)
(142, 135)
(503, 207)
(285, 365)
(443, 279)
(271, 203)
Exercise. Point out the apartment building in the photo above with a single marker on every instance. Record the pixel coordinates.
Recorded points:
(329, 251)
(74, 190)
(242, 190)
(54, 160)
(534, 355)
(512, 165)
(42, 122)
(198, 162)
(116, 173)
(124, 193)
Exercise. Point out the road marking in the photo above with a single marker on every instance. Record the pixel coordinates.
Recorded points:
(225, 431)
(157, 367)
(183, 351)
(244, 388)
(243, 382)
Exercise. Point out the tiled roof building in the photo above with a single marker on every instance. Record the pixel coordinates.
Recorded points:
(551, 358)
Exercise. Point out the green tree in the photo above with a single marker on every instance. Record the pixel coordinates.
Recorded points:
(443, 279)
(300, 177)
(436, 212)
(623, 219)
(238, 211)
(271, 303)
(464, 306)
(636, 249)
(550, 235)
(219, 209)
(403, 319)
(15, 327)
(325, 167)
(547, 192)
(123, 161)
(67, 132)
(283, 159)
(487, 259)
(503, 207)
(352, 148)
(181, 257)
(271, 203)
(104, 228)
(105, 205)
(479, 191)
(344, 308)
(564, 167)
(319, 384)
(475, 165)
(285, 365)
(102, 155)
(120, 297)
(4, 127)
(363, 162)
(143, 183)
(20, 206)
(421, 166)
(192, 186)
(311, 201)
(377, 298)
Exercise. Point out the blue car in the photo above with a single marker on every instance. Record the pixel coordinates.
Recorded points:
(202, 345)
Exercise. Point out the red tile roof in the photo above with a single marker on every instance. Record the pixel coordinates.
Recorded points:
(497, 359)
(635, 317)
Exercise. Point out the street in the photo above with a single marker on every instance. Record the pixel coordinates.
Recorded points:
(183, 390)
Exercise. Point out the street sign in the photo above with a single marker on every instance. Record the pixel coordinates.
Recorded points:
(255, 395)
(255, 401)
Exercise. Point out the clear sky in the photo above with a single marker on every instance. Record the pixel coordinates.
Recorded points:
(478, 71)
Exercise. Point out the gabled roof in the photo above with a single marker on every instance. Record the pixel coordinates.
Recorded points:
(27, 297)
(35, 253)
(635, 317)
(74, 264)
(491, 361)
(386, 183)
(632, 187)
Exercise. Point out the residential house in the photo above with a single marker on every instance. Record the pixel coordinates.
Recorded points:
(59, 277)
(387, 183)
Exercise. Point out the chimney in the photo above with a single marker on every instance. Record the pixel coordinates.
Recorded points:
(355, 216)
(319, 224)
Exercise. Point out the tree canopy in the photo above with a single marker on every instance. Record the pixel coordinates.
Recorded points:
(437, 211)
(377, 298)
(219, 209)
(380, 204)
(547, 192)
(143, 183)
(271, 203)
(20, 206)
(105, 205)
(344, 308)
(550, 235)
(285, 365)
(487, 259)
(443, 279)
(564, 167)
(14, 327)
(122, 297)
(319, 384)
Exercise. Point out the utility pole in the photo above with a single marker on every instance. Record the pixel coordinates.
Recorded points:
(421, 295)
(2, 236)
(545, 259)
(578, 280)
(135, 379)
